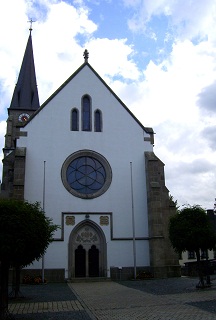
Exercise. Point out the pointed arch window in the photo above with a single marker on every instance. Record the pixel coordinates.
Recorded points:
(86, 113)
(98, 121)
(75, 120)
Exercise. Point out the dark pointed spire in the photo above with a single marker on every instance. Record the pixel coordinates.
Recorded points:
(25, 94)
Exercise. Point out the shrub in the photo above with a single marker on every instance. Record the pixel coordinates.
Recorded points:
(144, 275)
(27, 279)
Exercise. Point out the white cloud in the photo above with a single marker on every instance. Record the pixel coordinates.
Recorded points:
(57, 51)
(113, 58)
(189, 18)
(166, 99)
(12, 45)
(209, 134)
(170, 89)
(207, 98)
(55, 44)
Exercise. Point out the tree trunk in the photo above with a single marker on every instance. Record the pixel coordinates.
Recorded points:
(15, 293)
(199, 269)
(4, 274)
(17, 283)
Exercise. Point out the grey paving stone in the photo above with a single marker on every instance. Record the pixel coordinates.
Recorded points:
(43, 301)
(156, 299)
(163, 286)
(46, 292)
(207, 305)
(75, 315)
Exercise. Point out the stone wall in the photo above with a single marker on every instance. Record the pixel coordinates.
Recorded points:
(163, 259)
(127, 273)
(19, 173)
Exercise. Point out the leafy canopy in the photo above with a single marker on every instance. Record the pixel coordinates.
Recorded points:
(25, 231)
(190, 229)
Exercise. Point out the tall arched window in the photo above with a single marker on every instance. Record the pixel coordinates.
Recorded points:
(86, 113)
(98, 121)
(75, 120)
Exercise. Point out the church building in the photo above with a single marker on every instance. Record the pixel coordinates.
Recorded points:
(90, 163)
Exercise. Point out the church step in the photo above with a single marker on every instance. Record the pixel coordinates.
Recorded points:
(89, 279)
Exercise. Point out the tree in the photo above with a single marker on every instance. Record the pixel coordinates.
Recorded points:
(175, 202)
(25, 233)
(190, 229)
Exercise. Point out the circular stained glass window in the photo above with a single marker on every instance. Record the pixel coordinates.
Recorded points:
(86, 174)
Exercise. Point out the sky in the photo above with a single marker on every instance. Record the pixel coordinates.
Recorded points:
(159, 57)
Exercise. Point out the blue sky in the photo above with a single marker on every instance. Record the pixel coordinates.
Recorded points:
(158, 56)
(113, 18)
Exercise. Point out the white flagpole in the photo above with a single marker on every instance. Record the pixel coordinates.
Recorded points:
(43, 207)
(133, 222)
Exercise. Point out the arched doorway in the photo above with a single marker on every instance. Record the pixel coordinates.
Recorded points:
(87, 251)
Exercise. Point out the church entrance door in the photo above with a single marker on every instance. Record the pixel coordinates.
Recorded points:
(87, 251)
(80, 262)
(93, 260)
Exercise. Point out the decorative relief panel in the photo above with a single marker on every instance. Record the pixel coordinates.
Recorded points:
(87, 235)
(104, 220)
(70, 220)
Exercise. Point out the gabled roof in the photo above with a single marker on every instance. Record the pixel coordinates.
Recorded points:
(146, 129)
(25, 94)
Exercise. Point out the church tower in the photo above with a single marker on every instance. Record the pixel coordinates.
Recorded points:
(24, 103)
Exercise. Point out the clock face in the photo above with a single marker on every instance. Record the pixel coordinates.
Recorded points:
(23, 117)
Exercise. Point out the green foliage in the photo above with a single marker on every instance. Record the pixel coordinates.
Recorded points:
(174, 202)
(25, 232)
(190, 229)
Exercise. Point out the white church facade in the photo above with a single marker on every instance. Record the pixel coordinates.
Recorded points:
(90, 163)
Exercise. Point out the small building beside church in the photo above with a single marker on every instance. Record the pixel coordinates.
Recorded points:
(90, 163)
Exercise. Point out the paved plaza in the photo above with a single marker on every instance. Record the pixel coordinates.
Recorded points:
(155, 299)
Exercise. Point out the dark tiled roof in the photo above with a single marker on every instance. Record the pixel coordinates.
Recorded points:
(25, 94)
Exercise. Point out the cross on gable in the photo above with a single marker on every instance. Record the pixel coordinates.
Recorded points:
(86, 55)
(31, 21)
